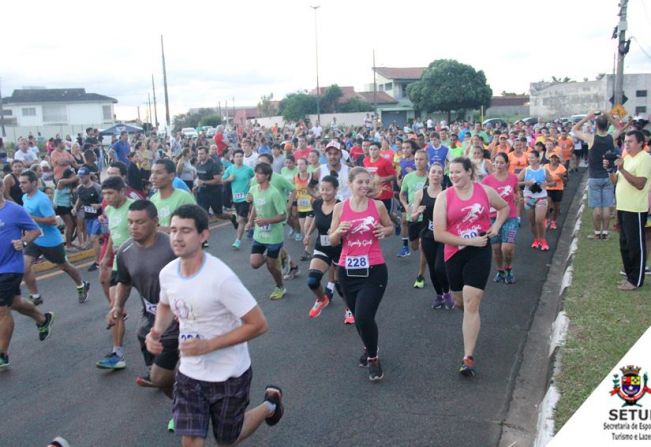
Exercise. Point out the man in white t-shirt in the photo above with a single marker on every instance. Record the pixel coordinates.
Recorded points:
(250, 158)
(217, 315)
(24, 154)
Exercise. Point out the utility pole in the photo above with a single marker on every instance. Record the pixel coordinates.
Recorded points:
(138, 108)
(623, 46)
(149, 107)
(153, 87)
(316, 54)
(167, 102)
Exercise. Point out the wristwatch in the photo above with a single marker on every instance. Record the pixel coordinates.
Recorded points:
(24, 244)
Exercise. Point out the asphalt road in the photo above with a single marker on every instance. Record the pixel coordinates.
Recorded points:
(53, 387)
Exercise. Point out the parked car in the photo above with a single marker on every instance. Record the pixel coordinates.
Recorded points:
(576, 118)
(530, 120)
(496, 123)
(189, 132)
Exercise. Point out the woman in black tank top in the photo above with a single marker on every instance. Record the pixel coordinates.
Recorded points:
(325, 257)
(424, 201)
(14, 191)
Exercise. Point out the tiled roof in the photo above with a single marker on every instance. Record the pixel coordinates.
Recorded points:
(38, 95)
(414, 73)
(382, 97)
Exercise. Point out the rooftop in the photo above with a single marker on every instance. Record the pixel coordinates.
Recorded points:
(409, 73)
(38, 95)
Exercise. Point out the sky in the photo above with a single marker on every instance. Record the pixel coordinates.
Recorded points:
(218, 52)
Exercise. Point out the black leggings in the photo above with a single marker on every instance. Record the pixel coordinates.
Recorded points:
(363, 296)
(433, 251)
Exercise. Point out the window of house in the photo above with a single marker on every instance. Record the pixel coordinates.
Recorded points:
(640, 93)
(640, 109)
(403, 90)
(106, 113)
(28, 111)
(55, 113)
(388, 86)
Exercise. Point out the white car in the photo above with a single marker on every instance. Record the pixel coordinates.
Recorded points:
(189, 132)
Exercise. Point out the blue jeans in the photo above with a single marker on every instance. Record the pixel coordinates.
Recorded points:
(601, 193)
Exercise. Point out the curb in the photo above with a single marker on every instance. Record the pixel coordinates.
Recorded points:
(80, 257)
(529, 411)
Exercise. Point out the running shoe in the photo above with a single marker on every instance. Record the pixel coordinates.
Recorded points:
(363, 359)
(4, 361)
(293, 272)
(467, 368)
(647, 270)
(319, 305)
(535, 244)
(112, 361)
(45, 328)
(94, 266)
(329, 293)
(510, 279)
(144, 381)
(449, 302)
(349, 318)
(82, 292)
(274, 395)
(291, 232)
(500, 277)
(236, 244)
(249, 234)
(404, 251)
(298, 237)
(375, 372)
(438, 302)
(36, 300)
(553, 225)
(234, 221)
(278, 293)
(420, 282)
(171, 426)
(544, 246)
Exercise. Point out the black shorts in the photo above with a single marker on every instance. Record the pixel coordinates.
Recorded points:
(469, 267)
(555, 195)
(304, 214)
(211, 198)
(56, 255)
(196, 403)
(242, 209)
(9, 288)
(166, 359)
(414, 230)
(329, 255)
(63, 210)
(273, 250)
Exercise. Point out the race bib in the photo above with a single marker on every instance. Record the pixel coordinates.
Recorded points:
(430, 226)
(239, 195)
(324, 240)
(303, 203)
(469, 234)
(149, 307)
(265, 228)
(89, 210)
(357, 266)
(187, 336)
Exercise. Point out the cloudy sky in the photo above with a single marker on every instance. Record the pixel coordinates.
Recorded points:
(217, 51)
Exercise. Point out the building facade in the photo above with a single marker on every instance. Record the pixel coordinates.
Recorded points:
(554, 100)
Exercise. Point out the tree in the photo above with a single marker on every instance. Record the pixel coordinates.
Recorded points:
(448, 85)
(265, 106)
(296, 106)
(560, 80)
(356, 105)
(213, 120)
(196, 119)
(329, 99)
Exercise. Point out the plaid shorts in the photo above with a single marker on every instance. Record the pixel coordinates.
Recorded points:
(197, 402)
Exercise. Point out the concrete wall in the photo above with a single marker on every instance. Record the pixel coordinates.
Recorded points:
(15, 132)
(507, 111)
(343, 119)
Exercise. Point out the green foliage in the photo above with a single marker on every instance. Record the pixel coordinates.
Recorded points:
(195, 119)
(213, 120)
(296, 106)
(355, 105)
(328, 102)
(448, 85)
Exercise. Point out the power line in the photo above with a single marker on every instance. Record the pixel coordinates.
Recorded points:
(641, 47)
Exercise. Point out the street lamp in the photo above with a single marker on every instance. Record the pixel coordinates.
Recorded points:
(316, 53)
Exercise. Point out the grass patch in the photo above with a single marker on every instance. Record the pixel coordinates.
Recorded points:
(604, 322)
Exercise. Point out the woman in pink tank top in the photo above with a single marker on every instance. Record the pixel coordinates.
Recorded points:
(357, 224)
(462, 222)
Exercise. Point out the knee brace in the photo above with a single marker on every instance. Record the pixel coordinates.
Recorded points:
(314, 279)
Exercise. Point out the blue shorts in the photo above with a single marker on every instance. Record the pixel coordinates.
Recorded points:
(273, 250)
(93, 227)
(508, 232)
(531, 203)
(601, 193)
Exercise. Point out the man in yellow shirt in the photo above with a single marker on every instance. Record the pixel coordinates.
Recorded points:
(632, 196)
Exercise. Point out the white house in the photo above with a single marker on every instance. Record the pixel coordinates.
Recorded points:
(393, 81)
(51, 111)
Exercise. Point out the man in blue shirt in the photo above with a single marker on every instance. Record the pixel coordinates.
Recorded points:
(50, 243)
(436, 152)
(17, 229)
(122, 148)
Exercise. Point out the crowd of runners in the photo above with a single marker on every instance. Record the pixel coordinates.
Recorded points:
(455, 194)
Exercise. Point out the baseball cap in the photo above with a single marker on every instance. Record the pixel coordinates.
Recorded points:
(335, 144)
(44, 164)
(83, 171)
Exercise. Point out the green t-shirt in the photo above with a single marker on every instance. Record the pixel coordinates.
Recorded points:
(268, 203)
(410, 184)
(280, 183)
(118, 226)
(167, 206)
(242, 180)
(289, 174)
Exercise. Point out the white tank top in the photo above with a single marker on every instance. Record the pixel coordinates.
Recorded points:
(343, 192)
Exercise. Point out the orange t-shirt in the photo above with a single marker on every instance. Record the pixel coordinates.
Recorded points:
(517, 164)
(556, 175)
(567, 148)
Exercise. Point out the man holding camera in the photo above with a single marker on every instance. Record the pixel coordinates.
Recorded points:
(632, 180)
(601, 194)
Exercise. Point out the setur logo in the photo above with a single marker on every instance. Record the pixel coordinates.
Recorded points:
(630, 387)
